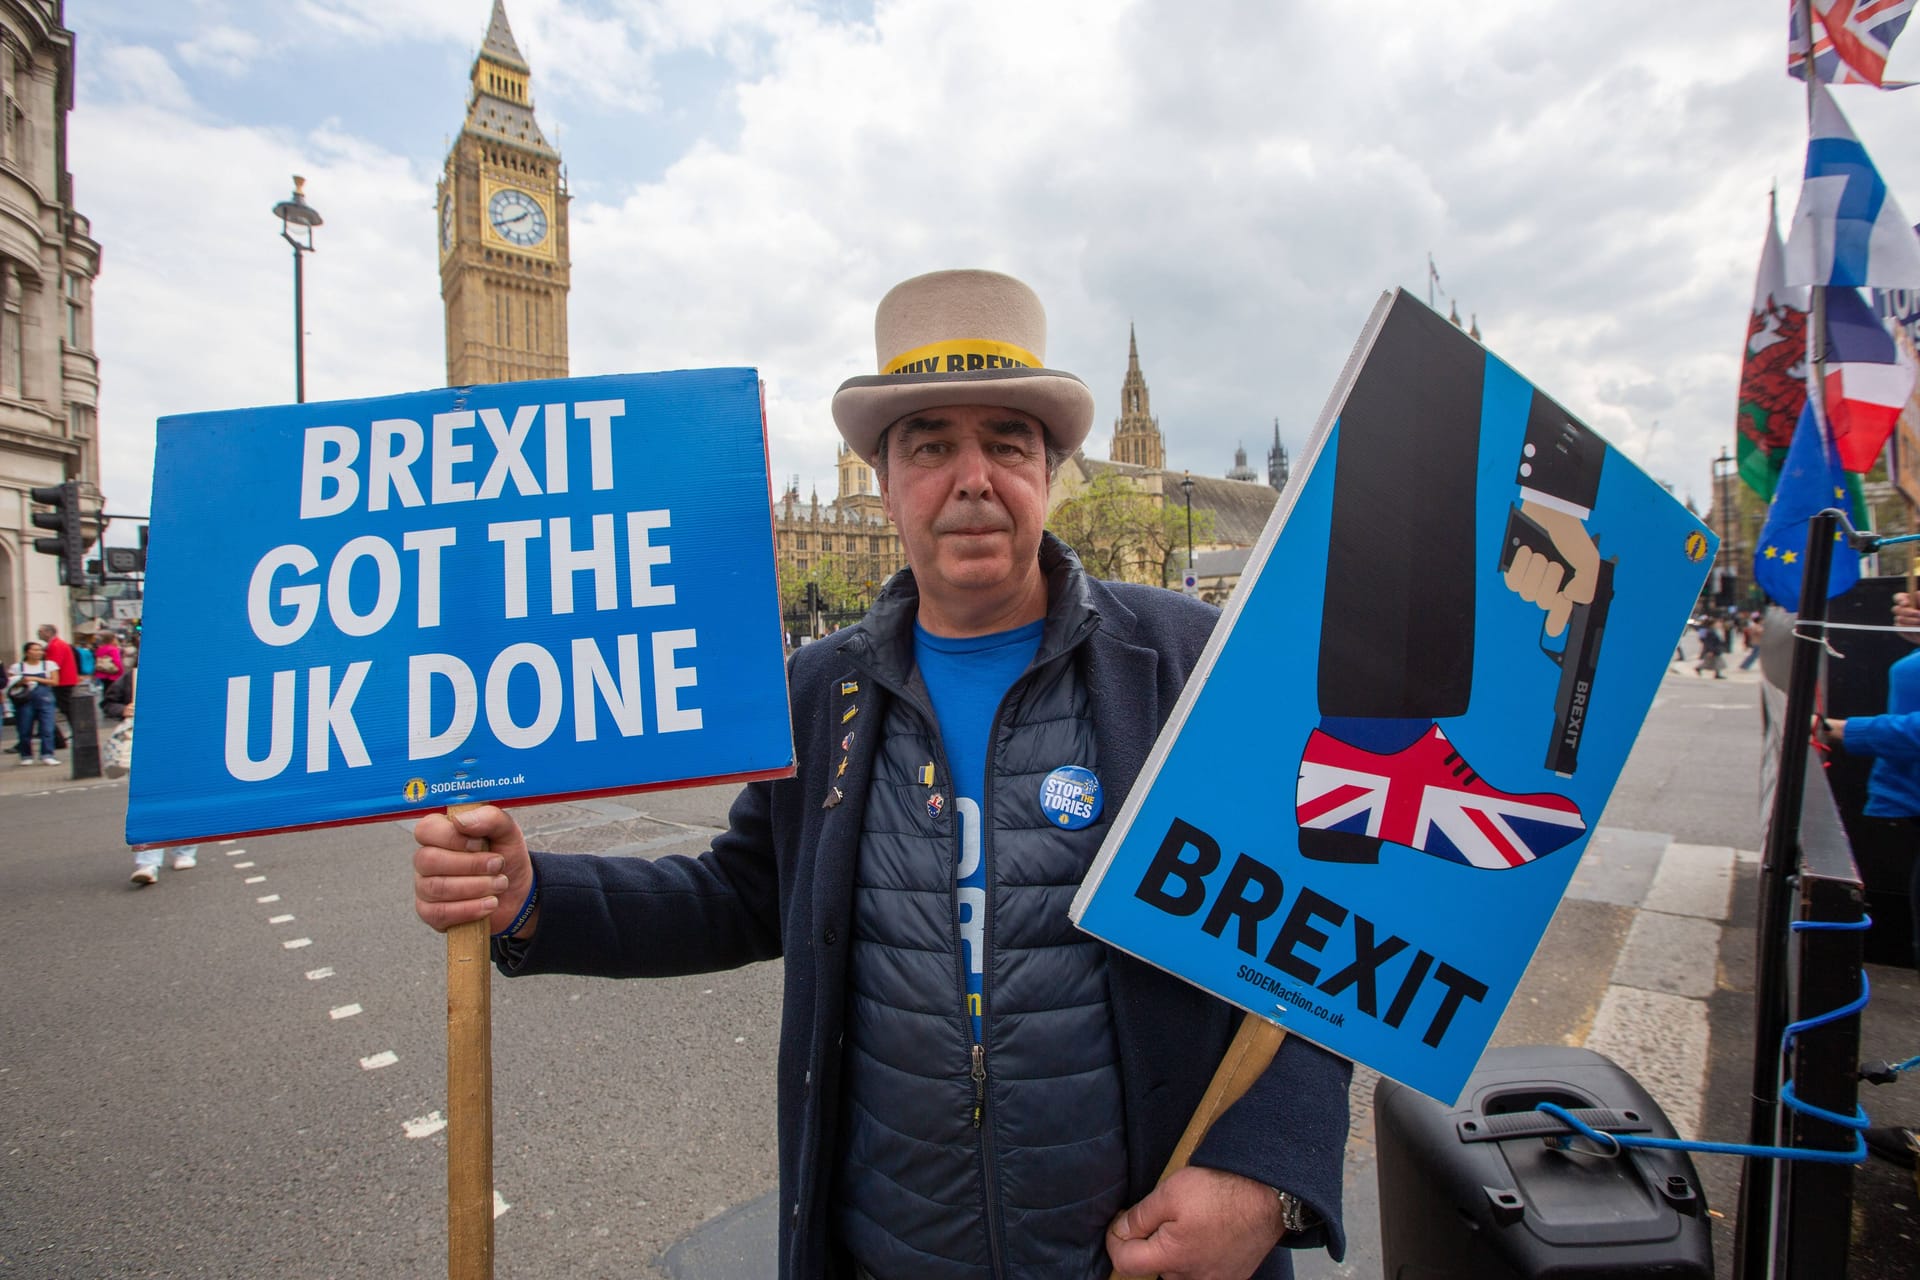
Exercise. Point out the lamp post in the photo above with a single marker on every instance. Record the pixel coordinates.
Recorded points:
(1186, 486)
(1725, 467)
(296, 214)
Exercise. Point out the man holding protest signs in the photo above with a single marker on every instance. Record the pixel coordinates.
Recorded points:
(968, 1086)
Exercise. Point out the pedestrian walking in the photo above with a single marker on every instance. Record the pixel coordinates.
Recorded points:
(1751, 634)
(1713, 650)
(109, 663)
(117, 704)
(34, 675)
(60, 653)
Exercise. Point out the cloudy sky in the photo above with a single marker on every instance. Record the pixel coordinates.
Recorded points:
(1237, 180)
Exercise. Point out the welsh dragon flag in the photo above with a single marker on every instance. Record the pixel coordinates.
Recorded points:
(1773, 373)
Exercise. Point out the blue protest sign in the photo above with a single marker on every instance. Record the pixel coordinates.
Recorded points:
(1370, 799)
(496, 593)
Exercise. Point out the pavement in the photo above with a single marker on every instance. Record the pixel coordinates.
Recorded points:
(1649, 960)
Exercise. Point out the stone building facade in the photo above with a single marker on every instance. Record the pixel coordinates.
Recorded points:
(49, 374)
(847, 544)
(848, 541)
(505, 258)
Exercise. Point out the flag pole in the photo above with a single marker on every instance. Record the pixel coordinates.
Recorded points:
(1756, 1233)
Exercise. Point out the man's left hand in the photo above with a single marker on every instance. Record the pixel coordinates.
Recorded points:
(1200, 1224)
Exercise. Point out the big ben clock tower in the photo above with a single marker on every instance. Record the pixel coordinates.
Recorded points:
(504, 259)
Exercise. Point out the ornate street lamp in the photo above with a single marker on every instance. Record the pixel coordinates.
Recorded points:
(1186, 485)
(296, 214)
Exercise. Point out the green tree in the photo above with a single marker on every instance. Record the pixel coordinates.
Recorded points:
(1124, 533)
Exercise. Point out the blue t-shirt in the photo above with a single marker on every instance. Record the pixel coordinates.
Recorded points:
(966, 679)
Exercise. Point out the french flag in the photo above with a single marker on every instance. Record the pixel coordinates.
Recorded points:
(1867, 380)
(1848, 232)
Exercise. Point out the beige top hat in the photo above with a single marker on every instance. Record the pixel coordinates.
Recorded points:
(958, 338)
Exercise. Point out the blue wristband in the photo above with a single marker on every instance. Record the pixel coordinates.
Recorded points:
(526, 908)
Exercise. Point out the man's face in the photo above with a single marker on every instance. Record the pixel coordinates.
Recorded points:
(48, 633)
(966, 486)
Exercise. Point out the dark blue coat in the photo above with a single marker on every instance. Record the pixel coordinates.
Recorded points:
(779, 882)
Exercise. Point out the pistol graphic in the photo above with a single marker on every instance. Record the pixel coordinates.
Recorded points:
(1580, 658)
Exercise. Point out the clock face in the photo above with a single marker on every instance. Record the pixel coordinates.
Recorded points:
(517, 217)
(446, 222)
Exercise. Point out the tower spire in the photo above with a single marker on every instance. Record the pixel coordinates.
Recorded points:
(500, 42)
(1136, 433)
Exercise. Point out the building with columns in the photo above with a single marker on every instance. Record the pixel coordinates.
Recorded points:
(49, 374)
(505, 259)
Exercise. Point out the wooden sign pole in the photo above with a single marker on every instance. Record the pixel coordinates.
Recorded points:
(1251, 1052)
(469, 1100)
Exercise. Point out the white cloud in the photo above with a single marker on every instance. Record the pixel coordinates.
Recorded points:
(1241, 185)
(221, 48)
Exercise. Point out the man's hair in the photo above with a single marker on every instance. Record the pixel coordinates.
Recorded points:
(1055, 454)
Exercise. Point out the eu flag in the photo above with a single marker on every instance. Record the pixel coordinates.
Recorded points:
(1810, 481)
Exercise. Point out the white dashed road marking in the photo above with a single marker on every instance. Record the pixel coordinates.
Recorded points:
(278, 919)
(241, 866)
(424, 1126)
(344, 1011)
(385, 1058)
(255, 880)
(294, 944)
(500, 1205)
(314, 975)
(272, 897)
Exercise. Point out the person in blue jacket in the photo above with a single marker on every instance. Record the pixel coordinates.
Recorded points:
(968, 1086)
(1893, 795)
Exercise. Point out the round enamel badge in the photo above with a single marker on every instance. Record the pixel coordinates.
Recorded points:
(1070, 797)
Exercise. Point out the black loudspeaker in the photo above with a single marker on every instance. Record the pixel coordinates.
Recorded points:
(1475, 1192)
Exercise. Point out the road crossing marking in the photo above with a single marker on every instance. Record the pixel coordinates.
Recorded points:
(293, 944)
(241, 866)
(278, 919)
(324, 971)
(385, 1058)
(272, 897)
(255, 880)
(344, 1011)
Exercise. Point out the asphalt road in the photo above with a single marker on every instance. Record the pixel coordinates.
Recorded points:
(184, 1092)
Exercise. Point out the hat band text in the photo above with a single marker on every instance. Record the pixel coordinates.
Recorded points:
(962, 355)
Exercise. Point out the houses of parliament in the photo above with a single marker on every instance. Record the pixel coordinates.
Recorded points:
(505, 271)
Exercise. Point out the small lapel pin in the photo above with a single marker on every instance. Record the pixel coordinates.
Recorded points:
(849, 687)
(833, 798)
(850, 713)
(926, 774)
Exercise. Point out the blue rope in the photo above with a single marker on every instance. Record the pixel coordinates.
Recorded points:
(1611, 1144)
(1909, 1064)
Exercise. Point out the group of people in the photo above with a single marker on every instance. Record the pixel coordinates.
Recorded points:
(40, 686)
(1716, 635)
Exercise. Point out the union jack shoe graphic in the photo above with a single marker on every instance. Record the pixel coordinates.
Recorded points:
(1426, 797)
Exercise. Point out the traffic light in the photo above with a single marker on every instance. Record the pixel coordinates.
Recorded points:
(122, 560)
(69, 542)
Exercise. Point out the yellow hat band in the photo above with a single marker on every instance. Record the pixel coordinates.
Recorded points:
(963, 355)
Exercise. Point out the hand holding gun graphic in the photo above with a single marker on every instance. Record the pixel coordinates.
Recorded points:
(1548, 558)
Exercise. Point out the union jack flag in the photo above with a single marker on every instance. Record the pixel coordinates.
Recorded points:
(1851, 40)
(1428, 798)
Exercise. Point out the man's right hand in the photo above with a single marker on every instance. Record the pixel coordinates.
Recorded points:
(473, 866)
